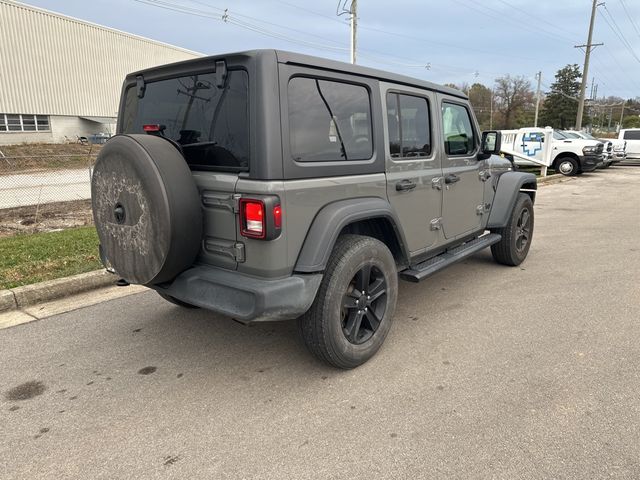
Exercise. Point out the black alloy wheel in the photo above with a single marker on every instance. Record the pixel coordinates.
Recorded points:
(523, 231)
(364, 304)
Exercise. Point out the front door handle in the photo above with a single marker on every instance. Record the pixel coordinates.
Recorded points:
(405, 185)
(451, 178)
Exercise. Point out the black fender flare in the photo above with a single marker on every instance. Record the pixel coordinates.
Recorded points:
(332, 219)
(507, 190)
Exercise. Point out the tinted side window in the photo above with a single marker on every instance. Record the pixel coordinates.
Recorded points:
(409, 126)
(458, 132)
(329, 121)
(632, 135)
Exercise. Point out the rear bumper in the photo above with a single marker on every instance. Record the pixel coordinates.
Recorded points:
(589, 163)
(242, 297)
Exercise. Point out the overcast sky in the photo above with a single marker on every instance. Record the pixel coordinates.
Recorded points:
(439, 40)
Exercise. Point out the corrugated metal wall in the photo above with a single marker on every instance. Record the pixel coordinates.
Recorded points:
(55, 65)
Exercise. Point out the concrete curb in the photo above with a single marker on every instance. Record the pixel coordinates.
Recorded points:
(21, 297)
(556, 178)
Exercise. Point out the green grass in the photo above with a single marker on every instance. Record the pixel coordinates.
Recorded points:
(26, 259)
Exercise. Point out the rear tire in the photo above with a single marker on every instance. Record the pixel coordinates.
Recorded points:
(352, 312)
(516, 235)
(567, 166)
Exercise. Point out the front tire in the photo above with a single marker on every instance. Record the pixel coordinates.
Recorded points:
(352, 313)
(567, 166)
(516, 235)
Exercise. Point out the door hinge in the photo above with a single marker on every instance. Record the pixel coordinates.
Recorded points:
(436, 224)
(436, 183)
(235, 251)
(230, 202)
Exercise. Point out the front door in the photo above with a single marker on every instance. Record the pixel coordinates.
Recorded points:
(463, 190)
(413, 164)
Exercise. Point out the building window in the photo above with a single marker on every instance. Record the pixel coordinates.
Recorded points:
(23, 123)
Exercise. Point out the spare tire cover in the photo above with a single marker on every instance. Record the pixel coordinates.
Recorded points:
(146, 208)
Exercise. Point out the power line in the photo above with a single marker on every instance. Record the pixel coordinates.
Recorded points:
(529, 14)
(631, 20)
(328, 44)
(619, 33)
(227, 18)
(498, 15)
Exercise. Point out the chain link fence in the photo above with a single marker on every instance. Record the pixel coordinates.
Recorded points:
(45, 192)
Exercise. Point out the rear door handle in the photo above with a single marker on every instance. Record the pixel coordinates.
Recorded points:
(405, 185)
(451, 178)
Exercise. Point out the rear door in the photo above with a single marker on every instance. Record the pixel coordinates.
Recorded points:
(463, 192)
(413, 165)
(206, 117)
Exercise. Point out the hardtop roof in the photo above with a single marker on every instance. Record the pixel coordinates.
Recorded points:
(314, 62)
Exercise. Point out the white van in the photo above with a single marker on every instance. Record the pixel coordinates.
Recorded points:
(632, 137)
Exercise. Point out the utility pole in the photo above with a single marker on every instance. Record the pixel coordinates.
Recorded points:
(585, 71)
(491, 111)
(535, 119)
(354, 28)
(621, 116)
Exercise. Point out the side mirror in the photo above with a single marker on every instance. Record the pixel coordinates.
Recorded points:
(491, 144)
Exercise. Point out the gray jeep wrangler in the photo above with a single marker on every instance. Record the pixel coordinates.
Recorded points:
(268, 185)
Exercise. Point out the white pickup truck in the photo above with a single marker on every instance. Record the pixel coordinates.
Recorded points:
(614, 150)
(550, 148)
(632, 138)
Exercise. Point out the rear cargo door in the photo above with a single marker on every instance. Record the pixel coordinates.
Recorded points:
(205, 115)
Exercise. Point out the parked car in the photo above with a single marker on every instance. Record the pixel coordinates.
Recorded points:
(608, 152)
(269, 185)
(632, 137)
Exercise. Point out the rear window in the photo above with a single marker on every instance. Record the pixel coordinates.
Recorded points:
(210, 124)
(632, 135)
(329, 121)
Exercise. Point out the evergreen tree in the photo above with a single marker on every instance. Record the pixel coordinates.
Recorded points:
(561, 104)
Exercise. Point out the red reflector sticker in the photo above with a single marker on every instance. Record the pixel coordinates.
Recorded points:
(277, 216)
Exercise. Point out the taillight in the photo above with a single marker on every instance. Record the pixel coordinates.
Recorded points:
(253, 216)
(260, 217)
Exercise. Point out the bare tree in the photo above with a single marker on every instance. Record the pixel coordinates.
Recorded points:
(514, 97)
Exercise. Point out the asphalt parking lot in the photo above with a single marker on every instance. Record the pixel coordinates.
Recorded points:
(488, 372)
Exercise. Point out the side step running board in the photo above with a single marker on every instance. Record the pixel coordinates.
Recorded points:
(418, 272)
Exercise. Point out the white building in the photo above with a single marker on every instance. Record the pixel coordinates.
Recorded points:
(60, 77)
